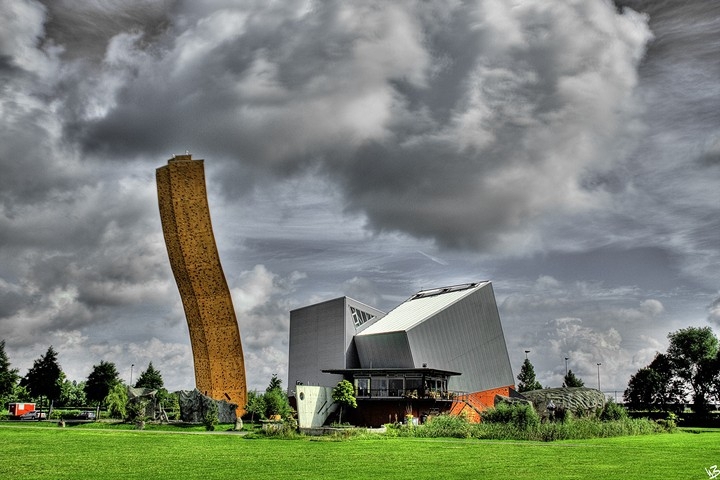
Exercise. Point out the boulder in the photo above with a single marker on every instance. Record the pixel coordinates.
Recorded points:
(194, 405)
(578, 400)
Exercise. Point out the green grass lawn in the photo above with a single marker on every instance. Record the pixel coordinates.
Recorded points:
(76, 453)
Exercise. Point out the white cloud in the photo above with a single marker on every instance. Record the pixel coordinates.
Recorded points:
(255, 289)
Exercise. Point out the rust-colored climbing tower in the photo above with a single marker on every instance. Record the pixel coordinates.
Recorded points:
(214, 332)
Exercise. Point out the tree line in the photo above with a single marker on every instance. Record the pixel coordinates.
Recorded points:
(688, 372)
(46, 383)
(528, 382)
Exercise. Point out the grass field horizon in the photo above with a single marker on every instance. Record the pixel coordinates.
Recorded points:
(72, 453)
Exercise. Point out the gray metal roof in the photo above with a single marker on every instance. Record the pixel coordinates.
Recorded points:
(420, 307)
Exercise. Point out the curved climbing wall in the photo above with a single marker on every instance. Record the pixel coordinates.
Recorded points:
(214, 333)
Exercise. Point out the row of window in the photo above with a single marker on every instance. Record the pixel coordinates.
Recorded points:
(410, 387)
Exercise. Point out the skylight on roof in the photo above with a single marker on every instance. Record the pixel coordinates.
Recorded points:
(440, 291)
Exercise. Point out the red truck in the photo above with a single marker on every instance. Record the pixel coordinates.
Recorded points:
(17, 409)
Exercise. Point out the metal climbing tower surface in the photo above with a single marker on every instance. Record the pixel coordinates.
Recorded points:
(214, 333)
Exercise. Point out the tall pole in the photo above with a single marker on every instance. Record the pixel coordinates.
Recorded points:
(598, 365)
(131, 371)
(566, 365)
(526, 352)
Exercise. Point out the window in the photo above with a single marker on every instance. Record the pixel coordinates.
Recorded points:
(413, 387)
(396, 387)
(359, 317)
(362, 387)
(436, 387)
(380, 387)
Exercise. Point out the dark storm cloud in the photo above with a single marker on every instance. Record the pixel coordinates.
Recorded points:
(84, 29)
(341, 139)
(481, 114)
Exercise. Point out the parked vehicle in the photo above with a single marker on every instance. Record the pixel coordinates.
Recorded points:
(33, 415)
(16, 409)
(87, 415)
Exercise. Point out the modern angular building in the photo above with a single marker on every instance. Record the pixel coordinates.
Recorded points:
(442, 350)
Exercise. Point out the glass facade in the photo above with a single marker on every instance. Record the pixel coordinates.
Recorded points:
(412, 385)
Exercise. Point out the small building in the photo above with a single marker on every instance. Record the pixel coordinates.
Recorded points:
(442, 350)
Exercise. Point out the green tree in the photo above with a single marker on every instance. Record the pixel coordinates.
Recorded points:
(527, 378)
(136, 409)
(641, 389)
(255, 405)
(572, 381)
(210, 420)
(8, 376)
(693, 351)
(275, 383)
(344, 394)
(171, 405)
(72, 393)
(714, 377)
(21, 394)
(276, 403)
(150, 378)
(612, 411)
(655, 386)
(43, 379)
(103, 377)
(276, 400)
(669, 390)
(116, 401)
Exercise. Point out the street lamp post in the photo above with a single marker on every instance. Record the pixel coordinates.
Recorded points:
(566, 365)
(131, 372)
(598, 365)
(526, 352)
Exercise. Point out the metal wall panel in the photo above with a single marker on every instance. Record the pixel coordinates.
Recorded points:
(321, 338)
(317, 342)
(466, 337)
(384, 350)
(352, 360)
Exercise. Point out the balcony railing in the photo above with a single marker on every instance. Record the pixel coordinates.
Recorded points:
(408, 394)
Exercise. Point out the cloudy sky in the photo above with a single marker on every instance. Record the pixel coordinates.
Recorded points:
(566, 150)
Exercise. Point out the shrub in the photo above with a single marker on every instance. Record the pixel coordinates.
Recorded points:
(344, 434)
(58, 414)
(286, 429)
(669, 424)
(401, 430)
(613, 411)
(570, 429)
(136, 409)
(522, 416)
(210, 420)
(276, 403)
(563, 415)
(444, 426)
(171, 404)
